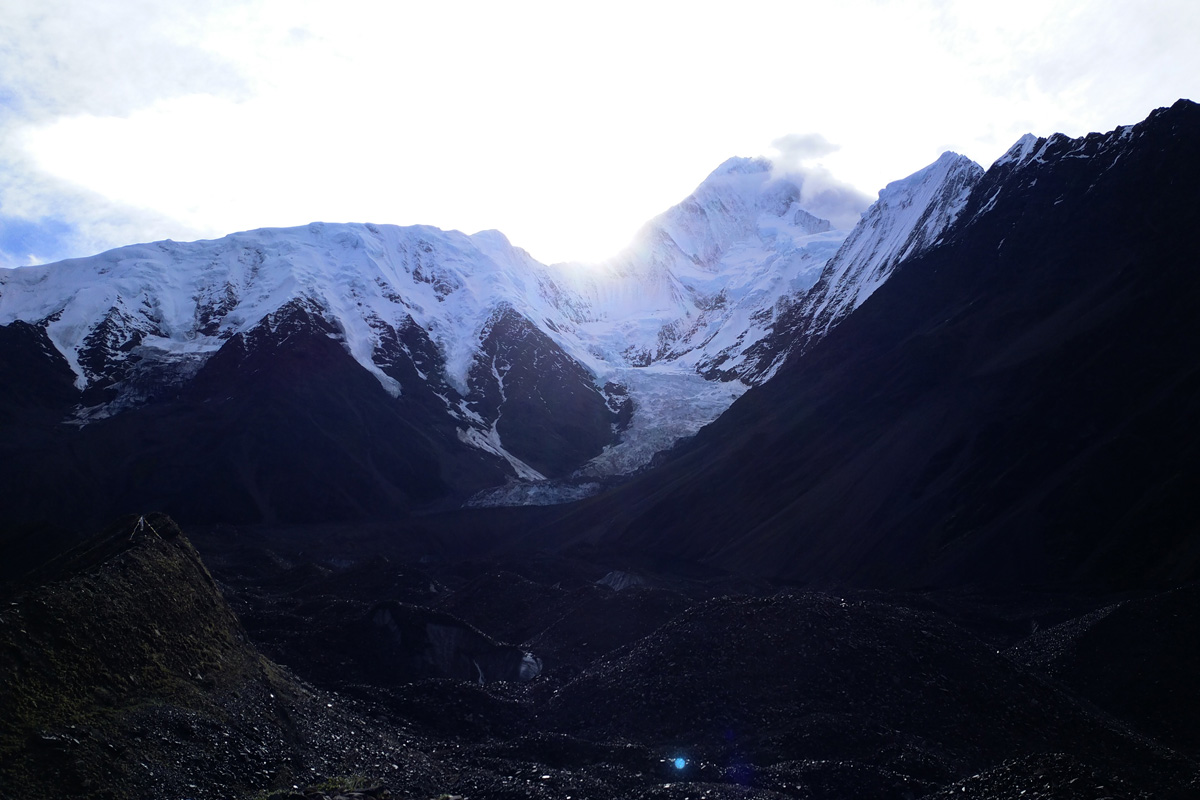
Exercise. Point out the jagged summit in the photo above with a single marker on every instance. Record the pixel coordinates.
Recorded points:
(908, 218)
(174, 302)
(1031, 149)
(1019, 151)
(741, 165)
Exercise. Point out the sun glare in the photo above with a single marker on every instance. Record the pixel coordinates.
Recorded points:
(520, 119)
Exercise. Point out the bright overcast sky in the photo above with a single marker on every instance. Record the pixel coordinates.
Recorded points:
(565, 125)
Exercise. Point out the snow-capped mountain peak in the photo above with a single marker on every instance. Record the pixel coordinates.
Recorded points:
(740, 165)
(702, 282)
(742, 199)
(909, 217)
(1019, 151)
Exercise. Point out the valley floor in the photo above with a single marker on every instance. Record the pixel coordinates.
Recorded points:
(310, 675)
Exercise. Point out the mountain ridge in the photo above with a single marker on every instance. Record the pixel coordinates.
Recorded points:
(501, 371)
(433, 296)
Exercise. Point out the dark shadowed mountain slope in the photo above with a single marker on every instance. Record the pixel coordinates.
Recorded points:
(34, 375)
(545, 406)
(279, 425)
(1020, 403)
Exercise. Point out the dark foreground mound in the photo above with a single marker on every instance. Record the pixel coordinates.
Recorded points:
(1136, 659)
(128, 676)
(812, 694)
(124, 674)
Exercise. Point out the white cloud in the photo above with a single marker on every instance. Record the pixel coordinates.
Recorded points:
(796, 148)
(821, 193)
(565, 126)
(71, 56)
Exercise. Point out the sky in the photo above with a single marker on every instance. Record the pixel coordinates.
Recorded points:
(566, 125)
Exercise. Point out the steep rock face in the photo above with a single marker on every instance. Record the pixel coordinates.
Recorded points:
(542, 404)
(910, 216)
(34, 377)
(307, 436)
(1016, 404)
(307, 374)
(166, 307)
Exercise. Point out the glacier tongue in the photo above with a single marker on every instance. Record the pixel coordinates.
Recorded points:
(672, 404)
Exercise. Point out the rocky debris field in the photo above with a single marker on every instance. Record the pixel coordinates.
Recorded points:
(128, 670)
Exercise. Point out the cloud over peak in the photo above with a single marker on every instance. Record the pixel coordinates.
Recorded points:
(796, 148)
